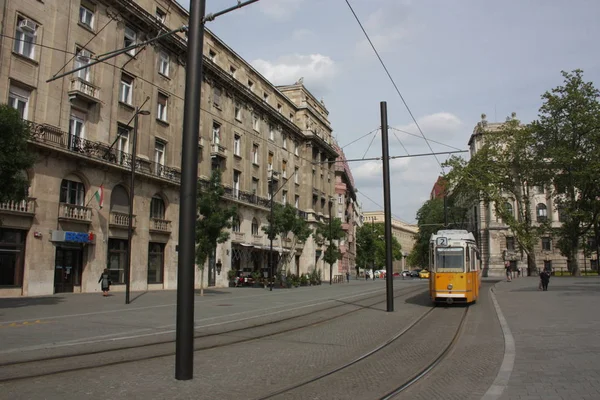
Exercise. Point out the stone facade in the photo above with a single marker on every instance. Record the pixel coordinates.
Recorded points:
(60, 239)
(404, 232)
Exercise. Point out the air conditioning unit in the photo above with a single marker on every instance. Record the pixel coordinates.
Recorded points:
(28, 25)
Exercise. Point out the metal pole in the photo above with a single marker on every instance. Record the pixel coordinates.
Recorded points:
(330, 242)
(131, 196)
(389, 273)
(184, 340)
(271, 235)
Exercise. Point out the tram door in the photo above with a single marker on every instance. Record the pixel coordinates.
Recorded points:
(67, 267)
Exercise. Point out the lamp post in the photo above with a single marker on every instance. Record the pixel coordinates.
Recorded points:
(271, 233)
(138, 111)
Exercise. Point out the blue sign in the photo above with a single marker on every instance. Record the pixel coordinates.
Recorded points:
(77, 237)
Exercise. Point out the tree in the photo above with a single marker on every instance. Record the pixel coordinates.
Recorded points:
(430, 218)
(330, 232)
(371, 246)
(15, 156)
(214, 216)
(567, 138)
(285, 221)
(502, 174)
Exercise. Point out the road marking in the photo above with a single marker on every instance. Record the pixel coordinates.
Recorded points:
(24, 323)
(501, 382)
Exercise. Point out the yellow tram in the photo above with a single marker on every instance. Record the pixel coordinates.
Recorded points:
(455, 265)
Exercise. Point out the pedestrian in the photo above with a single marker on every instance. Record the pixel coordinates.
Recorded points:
(366, 276)
(507, 268)
(545, 278)
(105, 282)
(348, 276)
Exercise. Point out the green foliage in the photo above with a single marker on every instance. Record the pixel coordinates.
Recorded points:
(214, 216)
(330, 232)
(15, 156)
(567, 138)
(286, 220)
(430, 219)
(370, 246)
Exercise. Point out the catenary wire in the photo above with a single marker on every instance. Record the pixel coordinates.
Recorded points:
(420, 137)
(370, 144)
(393, 83)
(362, 137)
(380, 206)
(401, 144)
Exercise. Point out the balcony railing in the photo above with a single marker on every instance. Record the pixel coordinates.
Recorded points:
(74, 212)
(239, 236)
(120, 219)
(86, 90)
(257, 239)
(19, 207)
(51, 136)
(217, 150)
(160, 225)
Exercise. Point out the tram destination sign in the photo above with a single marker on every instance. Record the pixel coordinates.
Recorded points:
(441, 241)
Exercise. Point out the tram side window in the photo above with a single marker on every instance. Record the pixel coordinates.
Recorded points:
(450, 258)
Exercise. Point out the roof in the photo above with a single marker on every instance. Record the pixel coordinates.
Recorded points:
(453, 234)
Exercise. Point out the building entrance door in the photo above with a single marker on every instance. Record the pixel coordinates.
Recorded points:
(67, 268)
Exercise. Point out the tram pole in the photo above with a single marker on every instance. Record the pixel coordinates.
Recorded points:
(385, 152)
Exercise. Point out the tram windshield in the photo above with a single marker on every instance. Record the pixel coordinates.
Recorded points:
(450, 259)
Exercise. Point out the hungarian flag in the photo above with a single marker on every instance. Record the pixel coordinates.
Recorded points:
(100, 196)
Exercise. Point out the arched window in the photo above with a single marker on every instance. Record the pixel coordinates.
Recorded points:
(119, 200)
(157, 207)
(72, 191)
(235, 225)
(254, 226)
(542, 212)
(509, 208)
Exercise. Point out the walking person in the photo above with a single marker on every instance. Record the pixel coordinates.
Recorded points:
(508, 272)
(545, 278)
(348, 276)
(105, 282)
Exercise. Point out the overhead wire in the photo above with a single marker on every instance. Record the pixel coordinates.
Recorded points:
(370, 144)
(380, 206)
(393, 82)
(362, 137)
(401, 144)
(431, 140)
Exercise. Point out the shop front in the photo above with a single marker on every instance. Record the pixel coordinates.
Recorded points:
(71, 249)
(12, 257)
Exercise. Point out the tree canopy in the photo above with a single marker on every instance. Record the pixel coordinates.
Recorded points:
(370, 246)
(330, 232)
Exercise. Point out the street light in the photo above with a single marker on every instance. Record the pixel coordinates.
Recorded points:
(131, 194)
(271, 233)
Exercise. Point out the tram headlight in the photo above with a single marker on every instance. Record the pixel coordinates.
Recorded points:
(450, 287)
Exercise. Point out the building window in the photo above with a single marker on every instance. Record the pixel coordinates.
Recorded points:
(254, 226)
(12, 243)
(72, 192)
(238, 112)
(284, 195)
(546, 244)
(510, 243)
(86, 16)
(509, 208)
(284, 169)
(297, 201)
(296, 179)
(217, 97)
(156, 262)
(548, 265)
(129, 39)
(255, 154)
(117, 259)
(250, 85)
(340, 199)
(265, 97)
(126, 89)
(237, 175)
(25, 36)
(160, 15)
(284, 141)
(541, 212)
(235, 224)
(162, 104)
(279, 108)
(237, 144)
(19, 100)
(295, 147)
(81, 60)
(255, 122)
(216, 133)
(157, 207)
(232, 70)
(270, 162)
(212, 55)
(271, 132)
(254, 186)
(76, 130)
(540, 189)
(159, 152)
(122, 140)
(164, 61)
(562, 214)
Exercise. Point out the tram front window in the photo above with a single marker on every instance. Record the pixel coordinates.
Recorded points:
(450, 259)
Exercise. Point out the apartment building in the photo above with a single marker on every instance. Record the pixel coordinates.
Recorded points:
(75, 221)
(403, 231)
(497, 243)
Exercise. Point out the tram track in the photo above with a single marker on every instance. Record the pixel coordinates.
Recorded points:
(312, 386)
(39, 367)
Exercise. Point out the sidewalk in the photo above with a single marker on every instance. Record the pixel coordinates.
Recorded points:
(556, 336)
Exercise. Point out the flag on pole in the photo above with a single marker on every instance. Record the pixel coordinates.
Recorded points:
(100, 196)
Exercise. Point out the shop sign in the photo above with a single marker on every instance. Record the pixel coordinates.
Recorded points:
(73, 237)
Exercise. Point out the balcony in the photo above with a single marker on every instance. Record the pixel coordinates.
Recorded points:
(24, 207)
(216, 150)
(238, 236)
(160, 225)
(257, 239)
(74, 213)
(84, 91)
(273, 174)
(50, 136)
(120, 220)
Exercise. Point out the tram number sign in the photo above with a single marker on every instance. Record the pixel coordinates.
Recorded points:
(441, 241)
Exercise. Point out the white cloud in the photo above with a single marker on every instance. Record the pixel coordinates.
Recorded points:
(300, 35)
(279, 10)
(387, 27)
(316, 69)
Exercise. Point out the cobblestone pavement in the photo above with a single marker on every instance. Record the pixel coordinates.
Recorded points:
(556, 335)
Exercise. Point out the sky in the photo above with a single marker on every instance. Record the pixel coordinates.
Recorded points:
(452, 60)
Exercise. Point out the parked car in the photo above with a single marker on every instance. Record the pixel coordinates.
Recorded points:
(405, 273)
(415, 272)
(424, 274)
